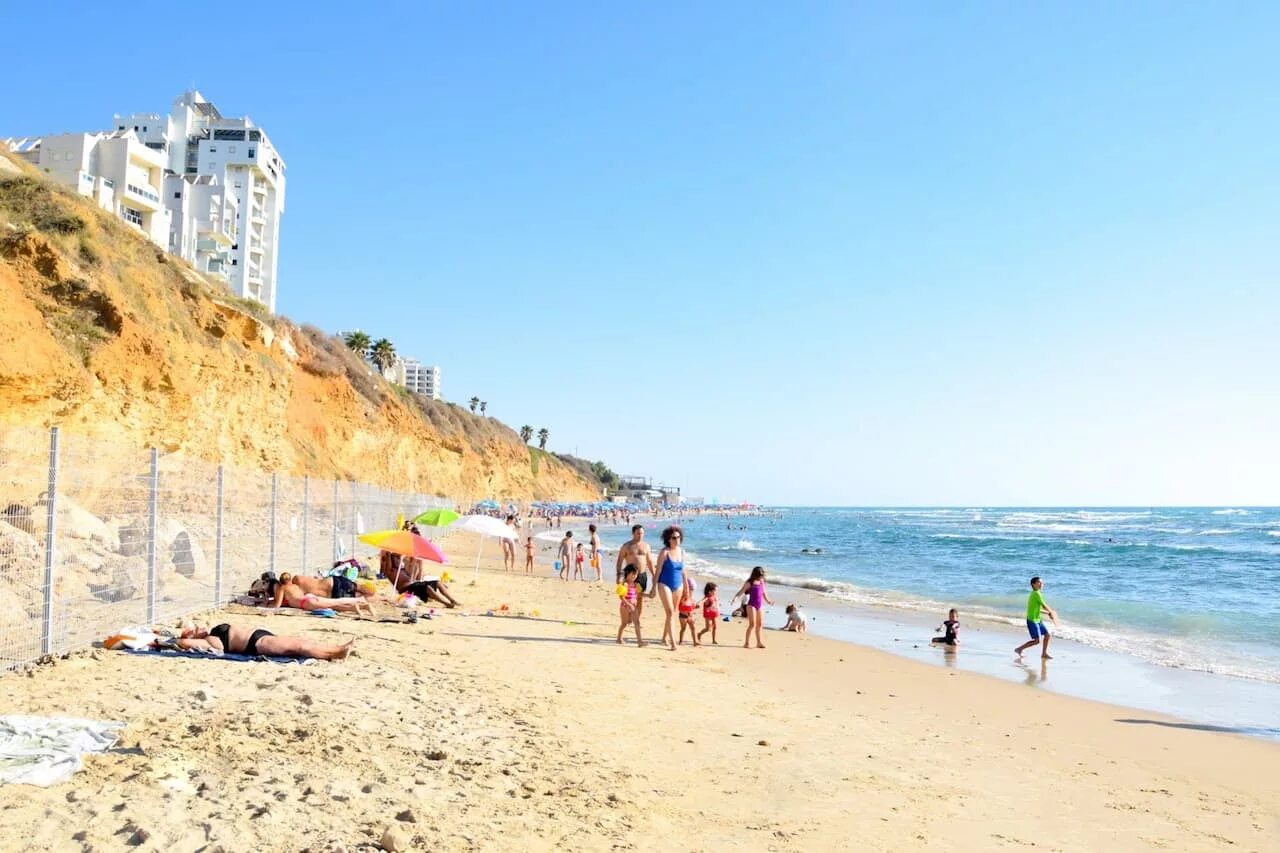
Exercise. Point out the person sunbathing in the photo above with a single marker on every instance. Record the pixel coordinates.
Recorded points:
(285, 591)
(239, 640)
(425, 587)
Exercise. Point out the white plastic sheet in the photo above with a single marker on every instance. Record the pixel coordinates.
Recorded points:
(47, 750)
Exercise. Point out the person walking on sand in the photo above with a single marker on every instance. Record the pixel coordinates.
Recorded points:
(629, 604)
(595, 550)
(1039, 633)
(670, 585)
(509, 547)
(528, 556)
(756, 598)
(710, 612)
(566, 554)
(636, 552)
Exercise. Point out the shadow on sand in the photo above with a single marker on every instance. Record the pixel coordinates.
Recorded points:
(1256, 731)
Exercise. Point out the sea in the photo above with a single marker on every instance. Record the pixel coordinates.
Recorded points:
(1175, 610)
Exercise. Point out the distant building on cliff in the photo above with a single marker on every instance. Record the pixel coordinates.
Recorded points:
(422, 379)
(406, 372)
(206, 188)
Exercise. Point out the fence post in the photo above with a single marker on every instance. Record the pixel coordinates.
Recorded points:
(217, 548)
(50, 560)
(335, 519)
(355, 515)
(306, 497)
(153, 484)
(271, 560)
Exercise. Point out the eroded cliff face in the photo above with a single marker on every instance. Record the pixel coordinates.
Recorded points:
(103, 334)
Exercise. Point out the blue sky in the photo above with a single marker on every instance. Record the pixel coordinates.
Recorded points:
(797, 253)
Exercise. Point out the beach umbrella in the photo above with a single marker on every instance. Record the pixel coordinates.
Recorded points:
(405, 543)
(486, 526)
(436, 517)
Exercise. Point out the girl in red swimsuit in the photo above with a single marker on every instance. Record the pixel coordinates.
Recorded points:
(710, 612)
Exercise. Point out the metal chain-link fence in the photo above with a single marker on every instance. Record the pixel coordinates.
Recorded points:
(95, 536)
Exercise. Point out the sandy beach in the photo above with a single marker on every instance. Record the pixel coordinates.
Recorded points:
(535, 731)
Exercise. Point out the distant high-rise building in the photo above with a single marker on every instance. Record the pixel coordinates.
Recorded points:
(422, 379)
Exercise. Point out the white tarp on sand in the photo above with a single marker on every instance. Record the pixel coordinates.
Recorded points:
(47, 750)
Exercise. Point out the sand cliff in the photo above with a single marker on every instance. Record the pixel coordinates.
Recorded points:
(105, 334)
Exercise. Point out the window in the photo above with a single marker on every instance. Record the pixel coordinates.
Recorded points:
(121, 127)
(251, 153)
(213, 149)
(135, 127)
(178, 194)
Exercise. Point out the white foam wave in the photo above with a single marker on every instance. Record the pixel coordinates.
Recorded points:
(745, 544)
(1273, 532)
(1215, 532)
(1230, 512)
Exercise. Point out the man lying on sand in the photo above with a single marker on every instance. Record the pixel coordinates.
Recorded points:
(239, 640)
(287, 591)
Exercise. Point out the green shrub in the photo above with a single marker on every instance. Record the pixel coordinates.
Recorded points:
(40, 204)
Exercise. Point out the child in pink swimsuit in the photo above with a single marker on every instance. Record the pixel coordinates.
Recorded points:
(628, 612)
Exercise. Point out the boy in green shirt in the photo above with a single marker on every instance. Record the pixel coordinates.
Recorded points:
(1035, 627)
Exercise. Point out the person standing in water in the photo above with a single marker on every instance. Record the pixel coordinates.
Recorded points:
(670, 585)
(1039, 633)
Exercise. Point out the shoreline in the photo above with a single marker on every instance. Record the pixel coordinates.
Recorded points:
(535, 731)
(1224, 700)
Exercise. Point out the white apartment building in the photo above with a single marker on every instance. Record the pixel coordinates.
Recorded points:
(422, 379)
(198, 140)
(207, 188)
(116, 169)
(203, 222)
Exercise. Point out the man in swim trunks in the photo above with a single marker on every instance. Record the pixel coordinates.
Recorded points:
(1035, 604)
(636, 552)
(238, 640)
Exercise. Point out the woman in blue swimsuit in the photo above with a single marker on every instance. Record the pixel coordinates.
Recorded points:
(670, 586)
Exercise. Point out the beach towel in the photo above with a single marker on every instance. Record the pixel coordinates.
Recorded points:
(193, 653)
(46, 750)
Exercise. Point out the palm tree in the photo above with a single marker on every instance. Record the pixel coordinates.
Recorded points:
(383, 353)
(474, 401)
(526, 433)
(543, 435)
(483, 406)
(358, 342)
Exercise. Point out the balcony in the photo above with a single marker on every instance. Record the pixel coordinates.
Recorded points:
(211, 231)
(146, 196)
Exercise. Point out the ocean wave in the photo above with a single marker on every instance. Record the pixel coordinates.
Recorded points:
(745, 544)
(1273, 532)
(1216, 532)
(1230, 512)
(1052, 527)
